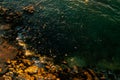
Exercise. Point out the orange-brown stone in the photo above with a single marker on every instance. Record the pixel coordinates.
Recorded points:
(7, 51)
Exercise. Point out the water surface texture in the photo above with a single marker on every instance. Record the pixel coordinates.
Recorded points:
(86, 32)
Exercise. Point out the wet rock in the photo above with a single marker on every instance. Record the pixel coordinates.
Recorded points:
(28, 53)
(3, 10)
(24, 76)
(7, 51)
(25, 69)
(32, 69)
(27, 62)
(8, 78)
(3, 68)
(5, 27)
(29, 9)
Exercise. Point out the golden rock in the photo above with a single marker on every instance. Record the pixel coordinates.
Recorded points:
(32, 69)
(21, 64)
(13, 62)
(11, 69)
(89, 77)
(28, 53)
(8, 78)
(9, 74)
(20, 71)
(8, 61)
(29, 9)
(58, 79)
(41, 70)
(24, 76)
(27, 61)
(0, 69)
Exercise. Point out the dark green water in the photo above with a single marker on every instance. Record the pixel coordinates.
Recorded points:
(88, 33)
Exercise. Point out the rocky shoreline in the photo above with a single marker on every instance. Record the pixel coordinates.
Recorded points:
(16, 65)
(37, 67)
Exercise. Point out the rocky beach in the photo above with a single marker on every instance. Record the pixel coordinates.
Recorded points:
(59, 40)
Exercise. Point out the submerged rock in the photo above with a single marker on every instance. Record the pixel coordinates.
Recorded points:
(5, 26)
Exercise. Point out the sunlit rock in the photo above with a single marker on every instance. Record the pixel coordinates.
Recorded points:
(32, 69)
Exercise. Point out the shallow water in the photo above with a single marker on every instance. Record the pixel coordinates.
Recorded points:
(85, 32)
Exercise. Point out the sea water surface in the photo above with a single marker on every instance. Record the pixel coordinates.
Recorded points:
(85, 32)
